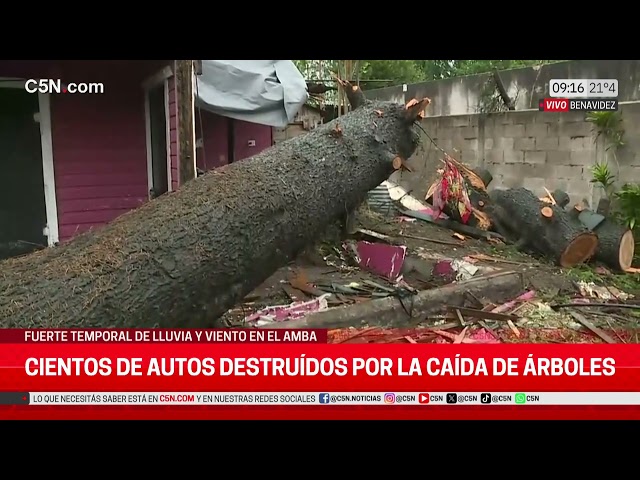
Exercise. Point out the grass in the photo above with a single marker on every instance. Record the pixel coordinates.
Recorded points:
(625, 282)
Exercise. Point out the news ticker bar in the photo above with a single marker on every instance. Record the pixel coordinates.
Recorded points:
(322, 398)
(578, 105)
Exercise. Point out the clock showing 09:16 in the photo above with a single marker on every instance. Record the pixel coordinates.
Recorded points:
(583, 88)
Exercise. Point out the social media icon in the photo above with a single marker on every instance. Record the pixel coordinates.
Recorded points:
(452, 398)
(423, 398)
(324, 398)
(485, 398)
(389, 398)
(521, 398)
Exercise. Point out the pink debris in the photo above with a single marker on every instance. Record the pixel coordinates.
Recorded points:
(381, 259)
(444, 270)
(431, 212)
(281, 313)
(505, 307)
(484, 336)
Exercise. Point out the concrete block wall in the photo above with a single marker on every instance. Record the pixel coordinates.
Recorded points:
(528, 149)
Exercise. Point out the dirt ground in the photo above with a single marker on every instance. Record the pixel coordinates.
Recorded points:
(326, 267)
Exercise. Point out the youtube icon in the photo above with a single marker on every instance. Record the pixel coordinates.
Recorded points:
(423, 398)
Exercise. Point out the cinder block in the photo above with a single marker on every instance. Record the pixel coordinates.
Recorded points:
(547, 143)
(469, 132)
(493, 156)
(558, 158)
(505, 143)
(566, 172)
(512, 182)
(495, 131)
(470, 144)
(536, 184)
(536, 129)
(522, 118)
(460, 120)
(582, 157)
(446, 143)
(469, 157)
(507, 170)
(575, 129)
(525, 143)
(514, 131)
(513, 156)
(572, 144)
(502, 118)
(535, 157)
(629, 174)
(578, 189)
(442, 121)
(488, 143)
(530, 170)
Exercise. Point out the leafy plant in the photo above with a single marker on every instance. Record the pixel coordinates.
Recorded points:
(609, 126)
(602, 175)
(629, 204)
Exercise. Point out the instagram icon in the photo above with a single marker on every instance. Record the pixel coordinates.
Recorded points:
(389, 398)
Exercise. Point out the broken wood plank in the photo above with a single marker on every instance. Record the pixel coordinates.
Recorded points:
(586, 323)
(397, 312)
(481, 314)
(583, 305)
(431, 240)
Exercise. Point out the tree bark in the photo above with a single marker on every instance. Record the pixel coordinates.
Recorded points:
(185, 258)
(541, 227)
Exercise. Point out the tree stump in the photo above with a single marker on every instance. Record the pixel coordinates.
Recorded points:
(543, 228)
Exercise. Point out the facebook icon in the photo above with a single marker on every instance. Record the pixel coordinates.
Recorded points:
(324, 398)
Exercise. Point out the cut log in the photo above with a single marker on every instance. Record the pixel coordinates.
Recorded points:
(401, 312)
(616, 243)
(561, 237)
(185, 258)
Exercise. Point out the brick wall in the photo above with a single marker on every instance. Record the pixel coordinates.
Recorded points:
(528, 148)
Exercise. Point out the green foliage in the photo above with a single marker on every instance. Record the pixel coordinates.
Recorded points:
(602, 176)
(628, 204)
(396, 72)
(608, 126)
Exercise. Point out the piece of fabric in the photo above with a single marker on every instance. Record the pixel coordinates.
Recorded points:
(268, 92)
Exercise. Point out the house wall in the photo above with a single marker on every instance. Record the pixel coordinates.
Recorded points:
(246, 132)
(99, 140)
(213, 129)
(528, 149)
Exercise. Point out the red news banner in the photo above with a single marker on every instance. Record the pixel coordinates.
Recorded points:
(275, 361)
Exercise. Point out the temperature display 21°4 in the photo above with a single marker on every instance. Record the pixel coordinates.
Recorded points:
(583, 88)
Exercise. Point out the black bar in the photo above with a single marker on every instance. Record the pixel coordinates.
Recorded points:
(14, 398)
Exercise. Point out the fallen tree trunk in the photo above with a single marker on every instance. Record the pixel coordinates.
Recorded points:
(547, 229)
(616, 244)
(183, 259)
(394, 312)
